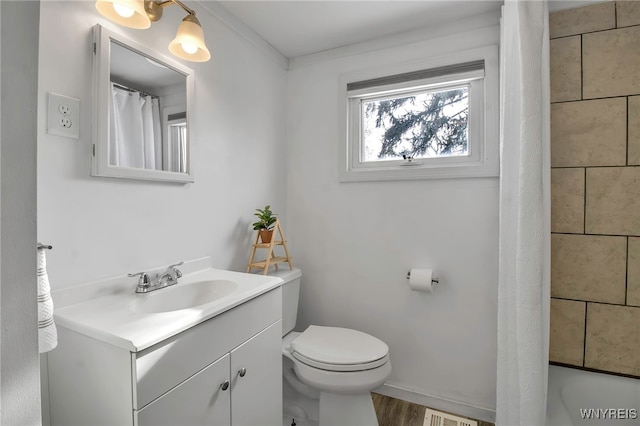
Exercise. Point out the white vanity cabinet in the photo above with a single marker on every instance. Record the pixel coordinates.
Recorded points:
(224, 371)
(237, 389)
(254, 399)
(200, 400)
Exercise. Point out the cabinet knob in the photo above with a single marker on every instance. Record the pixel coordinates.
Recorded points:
(225, 385)
(242, 372)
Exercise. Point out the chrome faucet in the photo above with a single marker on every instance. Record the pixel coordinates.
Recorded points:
(170, 275)
(161, 280)
(144, 283)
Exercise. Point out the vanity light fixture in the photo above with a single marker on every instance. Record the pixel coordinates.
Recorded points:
(189, 41)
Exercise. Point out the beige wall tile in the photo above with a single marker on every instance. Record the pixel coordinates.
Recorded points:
(582, 20)
(613, 201)
(589, 133)
(566, 69)
(588, 267)
(611, 63)
(566, 336)
(634, 130)
(633, 272)
(613, 338)
(628, 13)
(567, 200)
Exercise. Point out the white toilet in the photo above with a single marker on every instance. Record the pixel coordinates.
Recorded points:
(329, 372)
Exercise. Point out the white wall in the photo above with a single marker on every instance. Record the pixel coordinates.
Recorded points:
(355, 242)
(19, 361)
(102, 227)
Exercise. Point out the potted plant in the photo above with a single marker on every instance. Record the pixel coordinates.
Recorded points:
(266, 220)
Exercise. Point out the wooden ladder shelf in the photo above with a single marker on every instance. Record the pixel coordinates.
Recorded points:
(270, 259)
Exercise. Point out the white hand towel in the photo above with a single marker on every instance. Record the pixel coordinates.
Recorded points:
(47, 333)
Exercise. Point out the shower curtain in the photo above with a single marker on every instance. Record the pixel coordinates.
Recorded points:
(136, 139)
(524, 248)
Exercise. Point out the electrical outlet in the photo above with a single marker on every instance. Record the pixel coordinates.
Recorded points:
(64, 109)
(65, 122)
(63, 116)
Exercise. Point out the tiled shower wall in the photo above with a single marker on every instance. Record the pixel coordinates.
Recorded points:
(595, 187)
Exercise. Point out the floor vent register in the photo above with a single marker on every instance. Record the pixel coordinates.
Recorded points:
(438, 418)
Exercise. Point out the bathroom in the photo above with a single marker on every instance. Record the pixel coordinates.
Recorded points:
(443, 344)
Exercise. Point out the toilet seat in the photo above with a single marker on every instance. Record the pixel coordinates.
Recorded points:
(340, 367)
(339, 349)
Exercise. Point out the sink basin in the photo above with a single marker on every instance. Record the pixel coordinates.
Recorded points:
(185, 296)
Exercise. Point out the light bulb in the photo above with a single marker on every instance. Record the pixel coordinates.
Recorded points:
(124, 11)
(190, 48)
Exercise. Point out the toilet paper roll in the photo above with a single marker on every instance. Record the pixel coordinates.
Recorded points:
(420, 280)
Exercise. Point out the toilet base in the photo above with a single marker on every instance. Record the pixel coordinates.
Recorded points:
(341, 409)
(331, 409)
(290, 421)
(298, 406)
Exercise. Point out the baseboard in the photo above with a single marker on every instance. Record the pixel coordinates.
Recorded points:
(438, 403)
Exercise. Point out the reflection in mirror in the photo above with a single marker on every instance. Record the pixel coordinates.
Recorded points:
(142, 89)
(142, 114)
(175, 145)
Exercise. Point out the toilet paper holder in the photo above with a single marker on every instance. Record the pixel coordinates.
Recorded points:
(433, 280)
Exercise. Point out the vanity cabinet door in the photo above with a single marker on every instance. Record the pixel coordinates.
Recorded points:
(200, 400)
(256, 379)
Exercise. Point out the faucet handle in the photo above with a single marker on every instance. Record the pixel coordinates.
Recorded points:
(178, 272)
(143, 281)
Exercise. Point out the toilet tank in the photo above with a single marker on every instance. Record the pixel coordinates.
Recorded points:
(290, 293)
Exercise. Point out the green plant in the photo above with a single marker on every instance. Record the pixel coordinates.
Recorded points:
(266, 218)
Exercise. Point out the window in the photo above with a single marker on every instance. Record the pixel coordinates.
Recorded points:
(420, 124)
(177, 142)
(175, 146)
(427, 123)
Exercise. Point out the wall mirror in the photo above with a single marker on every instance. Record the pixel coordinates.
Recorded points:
(142, 105)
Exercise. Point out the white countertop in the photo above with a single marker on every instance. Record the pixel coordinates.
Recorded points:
(110, 317)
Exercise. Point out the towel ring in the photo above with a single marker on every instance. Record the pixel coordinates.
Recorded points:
(44, 246)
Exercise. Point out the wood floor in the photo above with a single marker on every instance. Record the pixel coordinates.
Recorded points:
(395, 412)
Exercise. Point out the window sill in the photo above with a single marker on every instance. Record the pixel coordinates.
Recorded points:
(449, 171)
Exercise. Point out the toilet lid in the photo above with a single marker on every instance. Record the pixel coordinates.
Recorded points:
(339, 349)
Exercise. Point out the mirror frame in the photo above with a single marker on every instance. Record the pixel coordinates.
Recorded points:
(102, 39)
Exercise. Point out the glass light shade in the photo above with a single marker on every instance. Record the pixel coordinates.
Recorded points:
(138, 18)
(189, 41)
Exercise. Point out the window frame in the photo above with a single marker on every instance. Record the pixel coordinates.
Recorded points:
(482, 159)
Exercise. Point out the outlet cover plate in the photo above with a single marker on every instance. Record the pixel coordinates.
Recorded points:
(63, 116)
